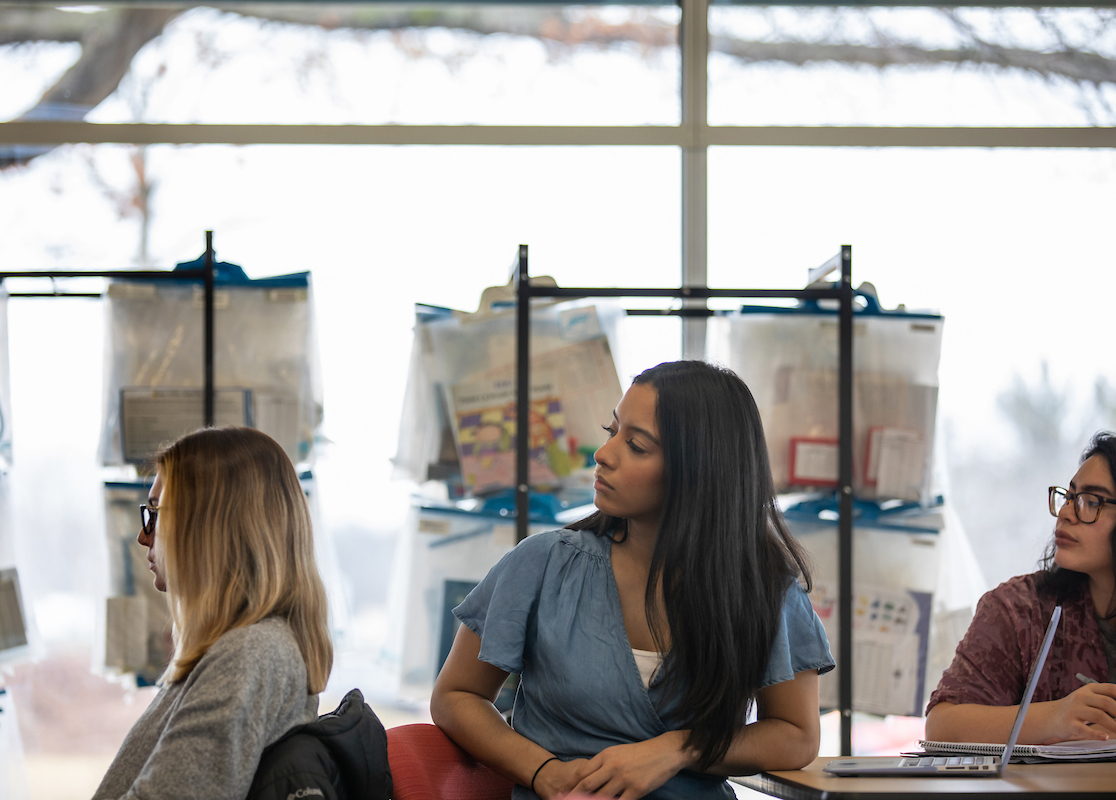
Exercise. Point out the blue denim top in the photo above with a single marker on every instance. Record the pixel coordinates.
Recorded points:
(550, 611)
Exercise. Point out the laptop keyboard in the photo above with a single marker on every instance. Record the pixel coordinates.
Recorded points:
(943, 761)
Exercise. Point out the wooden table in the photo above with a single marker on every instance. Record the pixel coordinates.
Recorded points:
(1020, 781)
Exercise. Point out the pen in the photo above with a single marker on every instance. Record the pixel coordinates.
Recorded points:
(1085, 678)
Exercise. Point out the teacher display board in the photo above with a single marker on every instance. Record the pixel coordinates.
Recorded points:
(266, 364)
(788, 357)
(459, 421)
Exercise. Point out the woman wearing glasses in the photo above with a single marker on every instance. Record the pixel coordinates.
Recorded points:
(977, 697)
(229, 540)
(644, 634)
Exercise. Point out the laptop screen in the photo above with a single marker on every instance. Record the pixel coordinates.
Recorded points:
(1032, 682)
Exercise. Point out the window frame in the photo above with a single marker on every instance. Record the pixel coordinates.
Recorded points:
(693, 136)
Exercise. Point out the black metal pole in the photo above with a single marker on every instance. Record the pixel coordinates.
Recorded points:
(844, 295)
(130, 274)
(210, 268)
(522, 395)
(687, 292)
(845, 508)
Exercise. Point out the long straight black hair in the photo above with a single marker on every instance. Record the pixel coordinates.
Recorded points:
(1061, 583)
(723, 555)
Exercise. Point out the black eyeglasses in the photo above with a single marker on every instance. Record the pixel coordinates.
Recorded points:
(148, 516)
(1086, 504)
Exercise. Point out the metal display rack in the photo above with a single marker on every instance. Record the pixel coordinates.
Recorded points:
(206, 273)
(842, 292)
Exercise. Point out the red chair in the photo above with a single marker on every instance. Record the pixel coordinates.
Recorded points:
(426, 765)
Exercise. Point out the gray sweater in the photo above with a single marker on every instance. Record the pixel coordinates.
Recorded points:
(202, 737)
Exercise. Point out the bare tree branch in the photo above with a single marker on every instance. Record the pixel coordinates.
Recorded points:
(108, 47)
(1072, 65)
(111, 39)
(41, 24)
(547, 24)
(106, 55)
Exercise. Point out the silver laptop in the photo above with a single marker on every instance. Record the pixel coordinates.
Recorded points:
(965, 766)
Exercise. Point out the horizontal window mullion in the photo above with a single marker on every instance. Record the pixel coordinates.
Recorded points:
(55, 133)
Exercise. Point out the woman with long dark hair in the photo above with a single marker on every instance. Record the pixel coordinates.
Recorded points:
(977, 697)
(645, 634)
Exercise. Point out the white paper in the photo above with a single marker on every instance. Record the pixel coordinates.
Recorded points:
(276, 413)
(13, 626)
(886, 647)
(13, 771)
(504, 536)
(126, 633)
(814, 462)
(154, 417)
(576, 324)
(901, 464)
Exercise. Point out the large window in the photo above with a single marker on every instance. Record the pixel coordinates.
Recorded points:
(1012, 246)
(1003, 243)
(910, 66)
(353, 64)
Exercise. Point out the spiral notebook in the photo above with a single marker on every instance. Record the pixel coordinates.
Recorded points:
(1088, 750)
(972, 765)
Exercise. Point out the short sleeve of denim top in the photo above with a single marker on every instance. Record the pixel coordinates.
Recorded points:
(550, 611)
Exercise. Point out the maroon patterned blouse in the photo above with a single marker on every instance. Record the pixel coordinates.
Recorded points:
(994, 659)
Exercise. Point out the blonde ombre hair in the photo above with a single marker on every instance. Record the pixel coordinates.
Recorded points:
(238, 547)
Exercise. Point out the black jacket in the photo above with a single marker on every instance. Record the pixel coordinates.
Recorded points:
(342, 756)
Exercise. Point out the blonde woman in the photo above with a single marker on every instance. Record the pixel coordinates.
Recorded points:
(229, 540)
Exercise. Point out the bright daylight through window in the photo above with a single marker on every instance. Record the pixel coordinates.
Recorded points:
(1003, 238)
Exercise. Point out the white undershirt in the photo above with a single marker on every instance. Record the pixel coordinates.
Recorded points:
(648, 663)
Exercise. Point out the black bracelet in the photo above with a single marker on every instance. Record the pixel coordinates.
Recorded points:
(552, 758)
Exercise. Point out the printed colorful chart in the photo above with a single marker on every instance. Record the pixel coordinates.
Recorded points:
(486, 436)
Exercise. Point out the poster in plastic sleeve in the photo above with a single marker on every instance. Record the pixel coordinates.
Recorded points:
(485, 418)
(891, 637)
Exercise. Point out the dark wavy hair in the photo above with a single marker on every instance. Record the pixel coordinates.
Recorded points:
(1062, 583)
(723, 553)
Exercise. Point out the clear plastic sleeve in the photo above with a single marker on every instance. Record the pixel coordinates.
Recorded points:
(134, 630)
(5, 387)
(134, 624)
(459, 418)
(266, 364)
(441, 554)
(789, 359)
(916, 581)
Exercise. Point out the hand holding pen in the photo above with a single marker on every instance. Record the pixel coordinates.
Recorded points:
(1086, 713)
(1085, 679)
